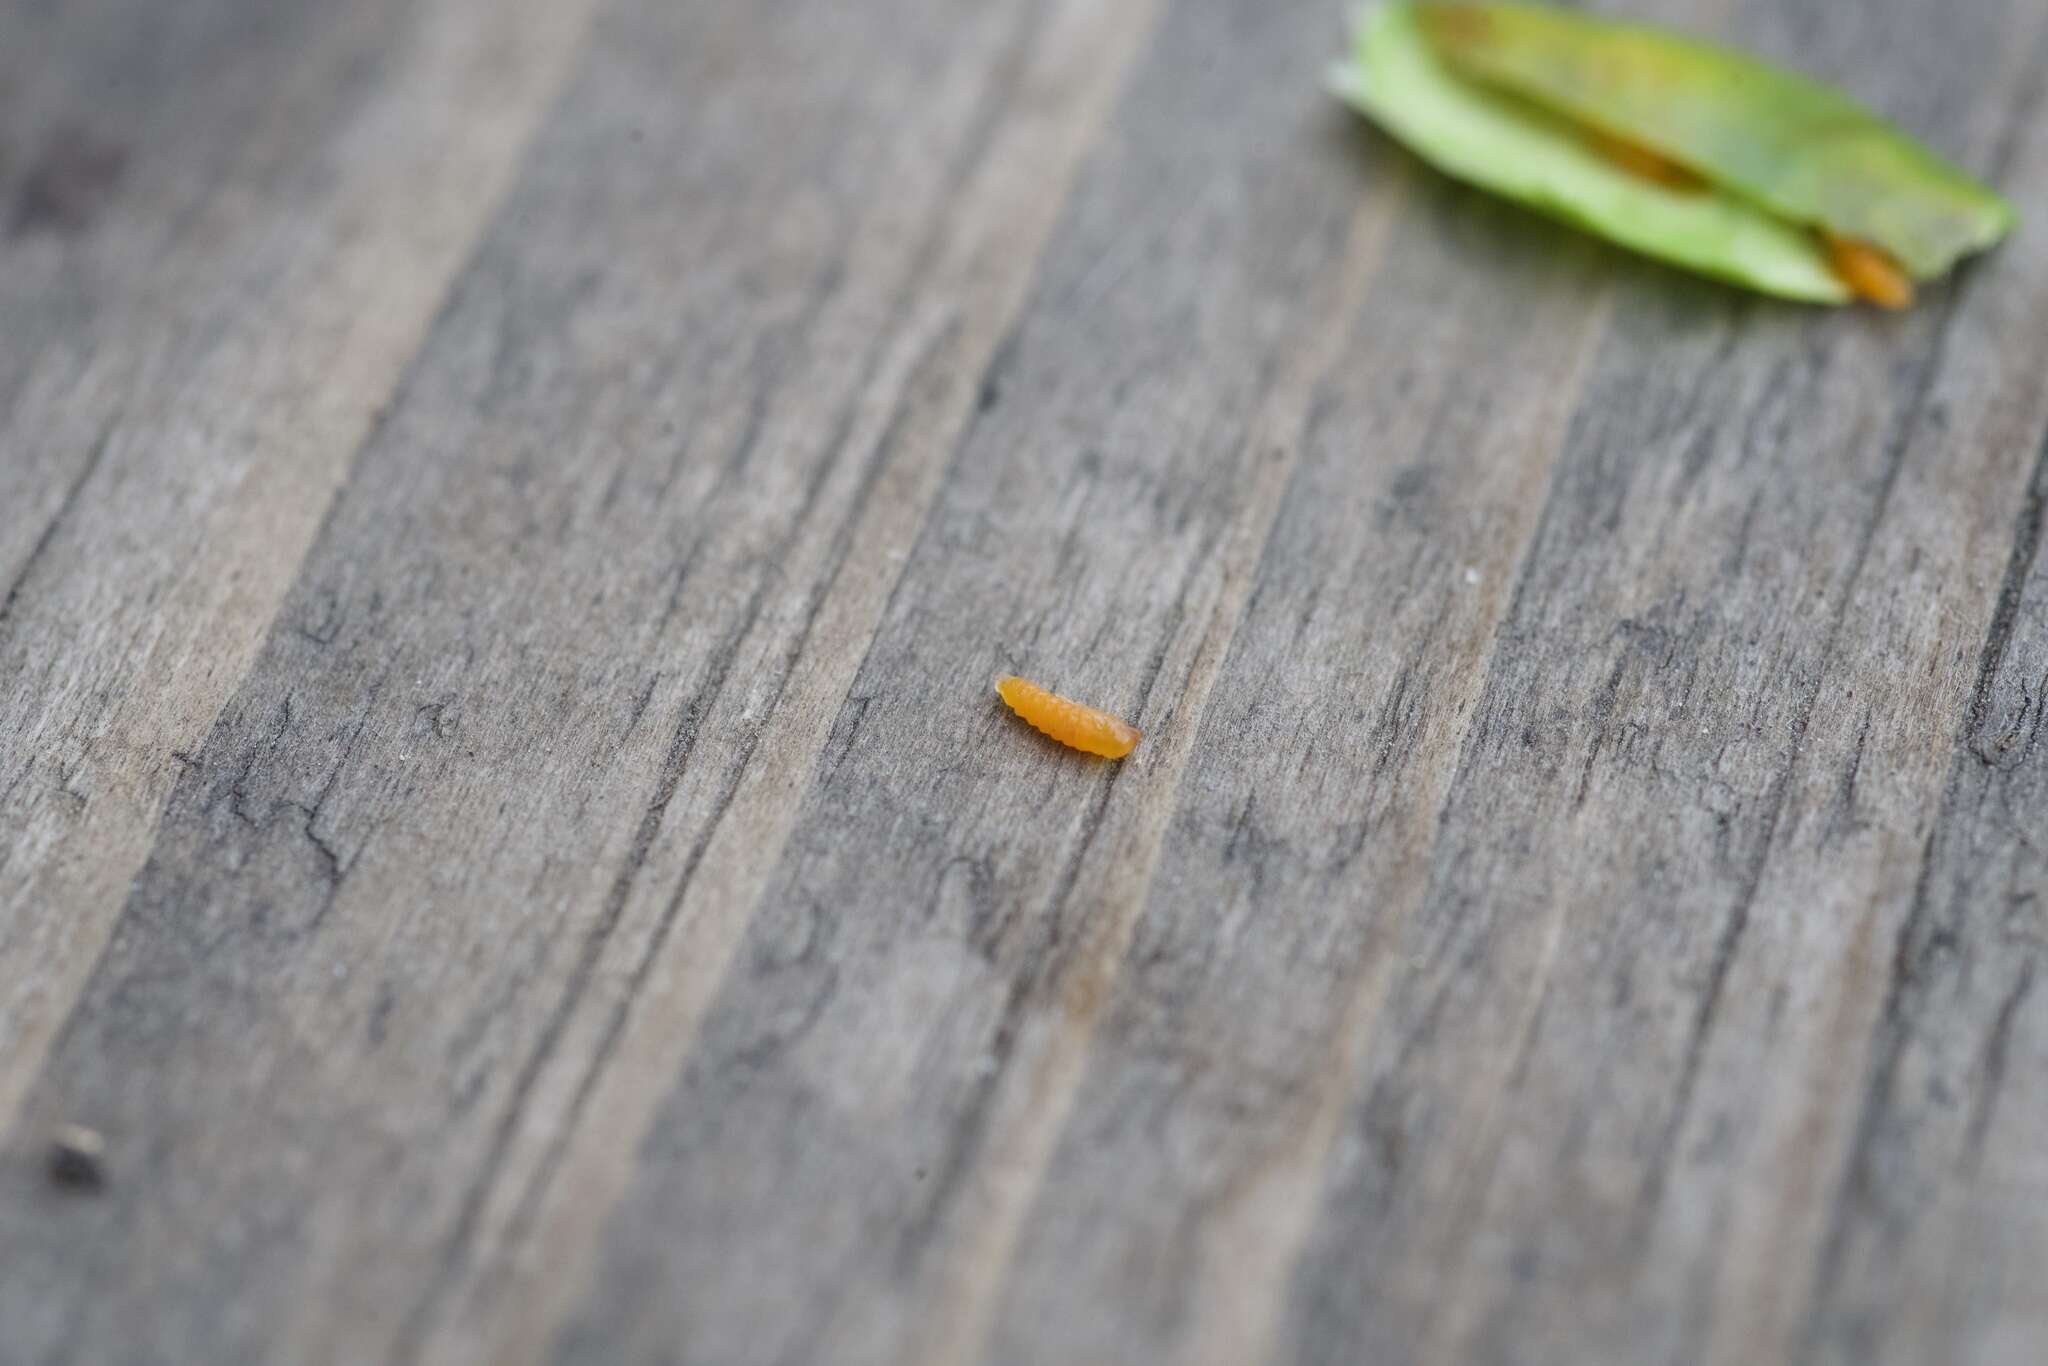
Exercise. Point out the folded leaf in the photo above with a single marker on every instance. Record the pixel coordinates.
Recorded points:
(1695, 154)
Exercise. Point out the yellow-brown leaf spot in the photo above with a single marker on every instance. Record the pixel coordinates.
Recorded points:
(1450, 27)
(1456, 29)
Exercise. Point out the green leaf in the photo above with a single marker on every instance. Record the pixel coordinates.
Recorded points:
(1508, 96)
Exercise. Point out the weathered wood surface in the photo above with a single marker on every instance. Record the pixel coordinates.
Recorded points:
(508, 516)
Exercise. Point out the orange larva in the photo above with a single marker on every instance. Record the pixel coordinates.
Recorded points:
(1869, 273)
(1639, 160)
(1067, 721)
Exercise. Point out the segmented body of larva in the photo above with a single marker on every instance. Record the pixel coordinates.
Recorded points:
(1067, 721)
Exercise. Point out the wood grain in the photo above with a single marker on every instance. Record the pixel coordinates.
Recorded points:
(204, 320)
(570, 1160)
(509, 516)
(1088, 505)
(1657, 900)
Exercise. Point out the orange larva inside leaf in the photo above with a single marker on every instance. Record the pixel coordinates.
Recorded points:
(1071, 723)
(1644, 162)
(1869, 273)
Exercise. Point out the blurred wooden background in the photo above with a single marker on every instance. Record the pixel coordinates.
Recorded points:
(510, 509)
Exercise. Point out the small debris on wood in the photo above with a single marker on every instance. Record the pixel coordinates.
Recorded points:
(78, 1158)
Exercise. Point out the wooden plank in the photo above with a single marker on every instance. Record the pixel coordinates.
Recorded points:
(1940, 1223)
(1580, 898)
(1941, 1211)
(1607, 1102)
(379, 939)
(1778, 1091)
(218, 253)
(1099, 529)
(794, 1030)
(1300, 835)
(569, 1160)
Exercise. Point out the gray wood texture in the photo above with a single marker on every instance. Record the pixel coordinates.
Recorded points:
(510, 512)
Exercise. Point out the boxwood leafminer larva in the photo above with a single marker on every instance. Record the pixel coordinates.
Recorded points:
(1069, 722)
